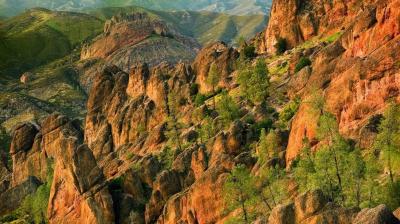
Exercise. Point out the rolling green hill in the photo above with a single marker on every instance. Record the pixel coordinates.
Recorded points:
(39, 36)
(233, 7)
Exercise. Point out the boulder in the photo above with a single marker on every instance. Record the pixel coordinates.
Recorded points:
(378, 215)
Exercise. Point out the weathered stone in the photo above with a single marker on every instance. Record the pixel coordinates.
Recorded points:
(12, 198)
(378, 215)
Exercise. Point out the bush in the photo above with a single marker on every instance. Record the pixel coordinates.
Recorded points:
(249, 52)
(288, 112)
(200, 99)
(167, 157)
(303, 62)
(194, 89)
(281, 46)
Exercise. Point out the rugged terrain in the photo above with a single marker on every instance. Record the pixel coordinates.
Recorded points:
(234, 7)
(140, 156)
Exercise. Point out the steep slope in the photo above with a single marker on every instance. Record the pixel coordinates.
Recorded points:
(360, 62)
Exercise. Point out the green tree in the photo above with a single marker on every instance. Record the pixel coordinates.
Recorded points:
(207, 129)
(267, 146)
(271, 186)
(371, 188)
(213, 79)
(174, 127)
(239, 191)
(254, 82)
(354, 178)
(388, 139)
(227, 108)
(336, 147)
(304, 167)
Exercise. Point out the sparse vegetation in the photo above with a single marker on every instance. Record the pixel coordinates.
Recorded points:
(303, 62)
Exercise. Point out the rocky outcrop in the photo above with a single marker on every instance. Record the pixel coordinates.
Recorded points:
(310, 208)
(223, 57)
(297, 21)
(361, 65)
(380, 214)
(129, 39)
(79, 192)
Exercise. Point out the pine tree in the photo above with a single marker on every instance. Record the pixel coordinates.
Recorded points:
(267, 146)
(207, 129)
(354, 178)
(213, 79)
(174, 126)
(254, 82)
(227, 108)
(388, 139)
(239, 191)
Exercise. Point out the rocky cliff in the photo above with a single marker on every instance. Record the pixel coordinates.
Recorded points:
(361, 65)
(117, 166)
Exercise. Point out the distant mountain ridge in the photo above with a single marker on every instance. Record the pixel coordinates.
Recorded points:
(233, 7)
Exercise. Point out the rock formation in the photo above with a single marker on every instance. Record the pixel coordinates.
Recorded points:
(115, 168)
(361, 64)
(129, 39)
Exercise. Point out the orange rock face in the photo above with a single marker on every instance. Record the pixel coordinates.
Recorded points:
(359, 74)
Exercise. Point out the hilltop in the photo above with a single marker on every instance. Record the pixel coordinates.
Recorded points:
(233, 7)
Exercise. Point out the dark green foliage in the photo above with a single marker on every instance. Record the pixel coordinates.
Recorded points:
(227, 109)
(116, 184)
(248, 52)
(194, 89)
(281, 46)
(254, 82)
(303, 62)
(200, 99)
(265, 124)
(5, 142)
